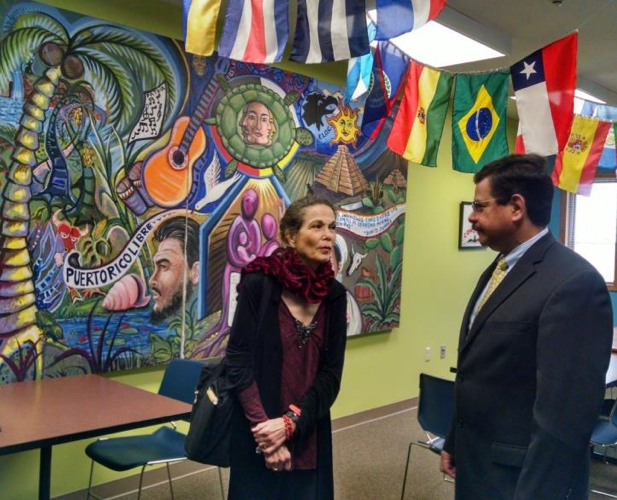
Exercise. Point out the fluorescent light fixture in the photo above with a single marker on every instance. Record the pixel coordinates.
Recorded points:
(438, 46)
(588, 97)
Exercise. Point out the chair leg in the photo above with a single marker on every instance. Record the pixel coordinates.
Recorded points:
(406, 470)
(141, 478)
(221, 483)
(597, 492)
(90, 480)
(171, 489)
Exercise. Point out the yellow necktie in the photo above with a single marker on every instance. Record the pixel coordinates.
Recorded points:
(497, 277)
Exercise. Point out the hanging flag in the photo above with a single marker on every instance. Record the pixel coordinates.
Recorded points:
(479, 120)
(255, 31)
(418, 126)
(544, 84)
(330, 30)
(199, 19)
(575, 166)
(519, 145)
(608, 160)
(389, 68)
(359, 70)
(396, 17)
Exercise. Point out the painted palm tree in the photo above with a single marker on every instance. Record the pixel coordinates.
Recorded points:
(120, 65)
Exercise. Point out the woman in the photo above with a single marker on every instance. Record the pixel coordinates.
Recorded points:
(285, 360)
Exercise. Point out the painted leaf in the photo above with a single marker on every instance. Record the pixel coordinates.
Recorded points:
(386, 242)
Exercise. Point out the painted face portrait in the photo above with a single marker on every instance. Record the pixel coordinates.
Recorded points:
(257, 124)
(347, 127)
(170, 269)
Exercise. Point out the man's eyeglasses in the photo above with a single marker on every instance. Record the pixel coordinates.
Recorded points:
(479, 205)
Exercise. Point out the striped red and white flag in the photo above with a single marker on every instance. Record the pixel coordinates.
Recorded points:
(255, 31)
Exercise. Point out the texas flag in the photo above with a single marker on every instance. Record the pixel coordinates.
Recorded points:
(544, 84)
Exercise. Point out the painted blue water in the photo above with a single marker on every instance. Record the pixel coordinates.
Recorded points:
(10, 110)
(137, 324)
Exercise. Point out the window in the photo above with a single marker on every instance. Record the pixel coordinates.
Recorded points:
(591, 227)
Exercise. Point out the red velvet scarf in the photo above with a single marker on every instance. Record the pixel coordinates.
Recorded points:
(287, 268)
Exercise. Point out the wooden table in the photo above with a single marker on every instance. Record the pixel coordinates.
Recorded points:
(53, 411)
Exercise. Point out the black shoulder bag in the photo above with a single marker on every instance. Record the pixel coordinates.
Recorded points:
(209, 438)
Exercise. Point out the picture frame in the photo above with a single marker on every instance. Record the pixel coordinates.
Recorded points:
(467, 236)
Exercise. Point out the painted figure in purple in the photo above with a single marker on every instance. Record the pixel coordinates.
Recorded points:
(269, 228)
(243, 245)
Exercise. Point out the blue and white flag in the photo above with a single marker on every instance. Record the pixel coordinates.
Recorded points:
(359, 70)
(396, 17)
(608, 160)
(330, 30)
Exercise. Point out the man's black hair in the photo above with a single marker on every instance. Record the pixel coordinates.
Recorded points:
(525, 175)
(176, 228)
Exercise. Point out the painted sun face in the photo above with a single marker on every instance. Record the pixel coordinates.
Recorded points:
(345, 125)
(257, 124)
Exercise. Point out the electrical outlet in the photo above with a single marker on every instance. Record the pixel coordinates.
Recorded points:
(427, 354)
(442, 351)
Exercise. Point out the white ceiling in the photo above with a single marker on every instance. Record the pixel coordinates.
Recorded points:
(523, 26)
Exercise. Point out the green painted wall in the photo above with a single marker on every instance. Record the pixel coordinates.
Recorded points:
(380, 369)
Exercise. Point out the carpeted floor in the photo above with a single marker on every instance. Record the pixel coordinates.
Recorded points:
(369, 463)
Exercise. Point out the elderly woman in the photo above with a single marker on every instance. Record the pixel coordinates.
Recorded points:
(285, 360)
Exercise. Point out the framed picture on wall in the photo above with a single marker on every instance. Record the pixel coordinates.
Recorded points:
(467, 237)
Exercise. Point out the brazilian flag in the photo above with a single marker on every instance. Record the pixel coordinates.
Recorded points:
(479, 120)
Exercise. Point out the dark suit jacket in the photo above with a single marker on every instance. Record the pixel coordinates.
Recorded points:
(530, 379)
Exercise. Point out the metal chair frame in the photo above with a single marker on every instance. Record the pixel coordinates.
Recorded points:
(429, 444)
(605, 448)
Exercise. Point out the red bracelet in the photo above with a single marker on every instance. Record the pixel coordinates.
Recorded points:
(288, 427)
(295, 409)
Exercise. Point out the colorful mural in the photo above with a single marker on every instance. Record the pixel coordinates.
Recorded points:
(137, 181)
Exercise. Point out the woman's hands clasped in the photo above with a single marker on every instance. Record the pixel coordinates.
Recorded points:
(278, 460)
(270, 436)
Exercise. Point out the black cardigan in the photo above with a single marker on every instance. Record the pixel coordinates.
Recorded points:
(254, 353)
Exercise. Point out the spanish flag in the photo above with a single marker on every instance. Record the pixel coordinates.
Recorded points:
(417, 130)
(200, 18)
(576, 165)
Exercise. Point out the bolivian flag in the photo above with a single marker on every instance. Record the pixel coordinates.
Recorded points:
(576, 165)
(479, 120)
(416, 132)
(199, 22)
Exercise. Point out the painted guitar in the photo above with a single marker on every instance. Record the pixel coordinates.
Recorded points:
(168, 173)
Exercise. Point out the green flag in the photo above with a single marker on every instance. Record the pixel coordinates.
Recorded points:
(479, 120)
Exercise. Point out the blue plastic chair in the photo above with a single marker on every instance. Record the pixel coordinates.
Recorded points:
(435, 413)
(604, 435)
(165, 445)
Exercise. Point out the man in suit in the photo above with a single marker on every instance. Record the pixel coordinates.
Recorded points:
(534, 347)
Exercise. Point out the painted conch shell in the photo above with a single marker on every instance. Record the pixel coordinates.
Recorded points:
(128, 293)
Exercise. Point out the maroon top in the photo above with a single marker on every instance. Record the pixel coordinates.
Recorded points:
(298, 373)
